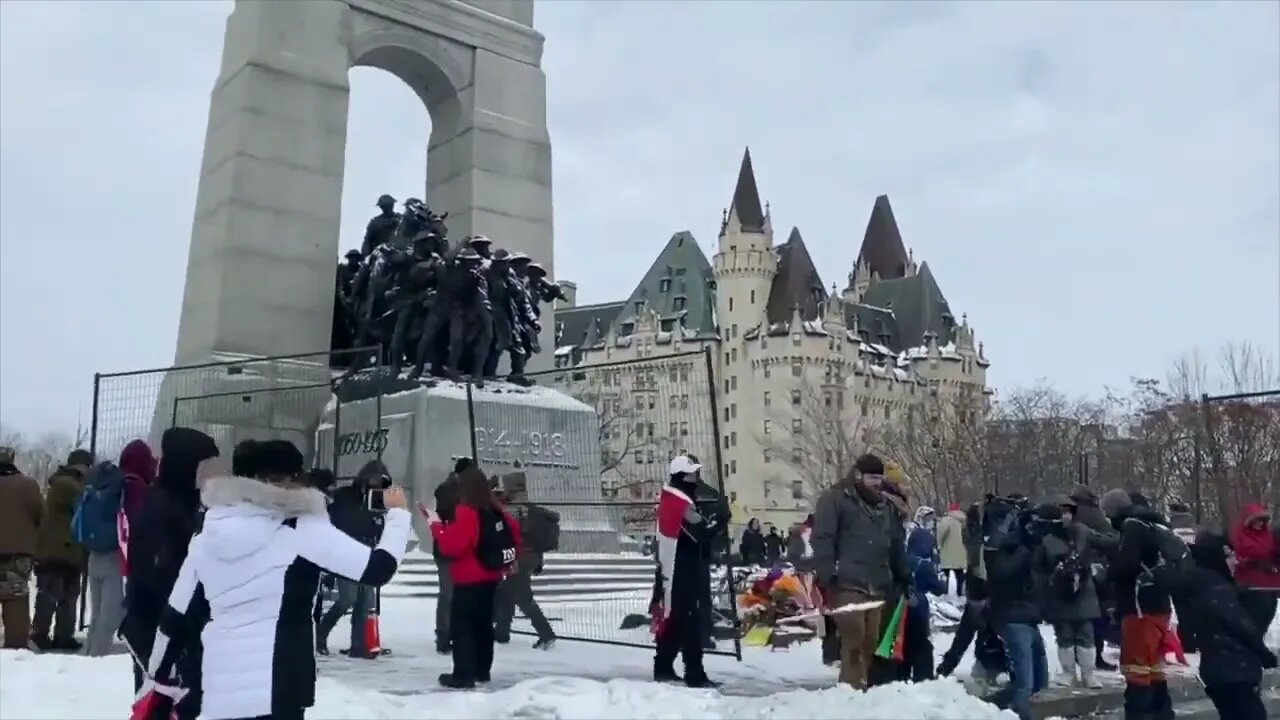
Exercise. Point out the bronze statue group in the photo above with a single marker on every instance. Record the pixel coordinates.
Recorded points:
(448, 311)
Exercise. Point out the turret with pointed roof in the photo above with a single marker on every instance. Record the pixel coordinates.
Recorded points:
(882, 248)
(746, 214)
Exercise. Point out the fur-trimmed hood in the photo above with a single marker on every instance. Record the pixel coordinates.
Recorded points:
(244, 514)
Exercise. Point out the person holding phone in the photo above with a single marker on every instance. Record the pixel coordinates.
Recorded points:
(354, 512)
(251, 574)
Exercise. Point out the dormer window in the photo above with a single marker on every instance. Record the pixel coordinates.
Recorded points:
(639, 306)
(678, 303)
(664, 286)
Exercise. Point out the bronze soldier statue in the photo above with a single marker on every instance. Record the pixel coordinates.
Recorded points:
(470, 317)
(511, 314)
(415, 297)
(382, 226)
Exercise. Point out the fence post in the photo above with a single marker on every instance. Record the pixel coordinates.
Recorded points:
(337, 429)
(377, 409)
(93, 421)
(1197, 470)
(471, 423)
(724, 497)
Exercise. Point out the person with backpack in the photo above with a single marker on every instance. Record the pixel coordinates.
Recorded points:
(926, 580)
(1232, 652)
(1145, 563)
(1070, 601)
(96, 527)
(60, 558)
(482, 544)
(540, 534)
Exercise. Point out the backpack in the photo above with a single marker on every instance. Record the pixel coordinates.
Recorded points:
(541, 529)
(496, 548)
(1068, 576)
(94, 524)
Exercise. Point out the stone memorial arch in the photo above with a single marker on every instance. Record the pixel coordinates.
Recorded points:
(264, 241)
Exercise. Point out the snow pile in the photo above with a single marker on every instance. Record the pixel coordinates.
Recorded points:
(72, 687)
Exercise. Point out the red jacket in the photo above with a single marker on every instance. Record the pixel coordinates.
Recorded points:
(1257, 552)
(458, 540)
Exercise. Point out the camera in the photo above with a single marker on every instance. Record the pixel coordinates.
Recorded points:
(374, 493)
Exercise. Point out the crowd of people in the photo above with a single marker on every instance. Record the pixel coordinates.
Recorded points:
(209, 573)
(1094, 568)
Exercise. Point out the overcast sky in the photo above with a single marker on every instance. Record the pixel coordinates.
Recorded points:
(1096, 184)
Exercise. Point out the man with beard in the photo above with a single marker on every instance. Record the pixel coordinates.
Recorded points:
(859, 556)
(158, 542)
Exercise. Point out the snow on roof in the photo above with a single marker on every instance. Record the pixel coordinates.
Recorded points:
(564, 350)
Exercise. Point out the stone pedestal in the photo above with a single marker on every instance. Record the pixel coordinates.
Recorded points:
(423, 430)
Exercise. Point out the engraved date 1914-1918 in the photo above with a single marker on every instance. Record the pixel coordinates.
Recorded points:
(361, 443)
(514, 444)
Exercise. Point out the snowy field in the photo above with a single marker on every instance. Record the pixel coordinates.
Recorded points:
(574, 680)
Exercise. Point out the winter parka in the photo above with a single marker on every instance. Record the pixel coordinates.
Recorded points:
(1054, 548)
(951, 546)
(1231, 647)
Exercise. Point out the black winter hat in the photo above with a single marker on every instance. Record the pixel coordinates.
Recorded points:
(182, 449)
(277, 457)
(463, 464)
(869, 465)
(244, 459)
(80, 457)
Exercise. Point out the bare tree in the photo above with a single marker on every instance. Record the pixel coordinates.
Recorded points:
(815, 433)
(40, 457)
(941, 443)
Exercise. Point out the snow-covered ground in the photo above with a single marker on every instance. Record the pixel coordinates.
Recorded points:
(573, 680)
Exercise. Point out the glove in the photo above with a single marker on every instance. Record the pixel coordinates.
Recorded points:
(173, 692)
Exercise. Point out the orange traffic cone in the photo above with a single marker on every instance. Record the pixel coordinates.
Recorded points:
(372, 641)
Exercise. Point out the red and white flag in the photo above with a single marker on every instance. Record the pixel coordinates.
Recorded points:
(672, 505)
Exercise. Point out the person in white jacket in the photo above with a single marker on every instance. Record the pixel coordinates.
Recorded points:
(252, 573)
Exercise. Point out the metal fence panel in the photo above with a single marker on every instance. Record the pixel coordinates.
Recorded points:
(599, 459)
(230, 400)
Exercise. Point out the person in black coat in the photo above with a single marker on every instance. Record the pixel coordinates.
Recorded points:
(1014, 607)
(158, 540)
(1232, 654)
(350, 513)
(752, 546)
(448, 495)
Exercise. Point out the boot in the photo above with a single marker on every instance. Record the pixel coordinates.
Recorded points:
(663, 672)
(1087, 678)
(1067, 658)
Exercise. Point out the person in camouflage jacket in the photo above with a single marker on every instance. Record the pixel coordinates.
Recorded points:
(21, 510)
(60, 560)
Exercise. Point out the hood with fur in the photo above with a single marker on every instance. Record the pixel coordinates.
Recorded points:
(244, 514)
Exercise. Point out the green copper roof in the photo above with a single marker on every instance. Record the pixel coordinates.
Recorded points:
(679, 285)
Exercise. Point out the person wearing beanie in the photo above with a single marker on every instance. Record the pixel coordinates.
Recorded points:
(251, 575)
(859, 556)
(1232, 652)
(60, 559)
(21, 512)
(1070, 600)
(1145, 564)
(351, 513)
(1257, 547)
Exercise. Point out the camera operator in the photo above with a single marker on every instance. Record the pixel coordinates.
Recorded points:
(357, 511)
(1014, 610)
